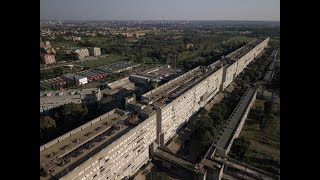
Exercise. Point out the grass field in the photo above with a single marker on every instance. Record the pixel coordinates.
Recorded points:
(264, 150)
(102, 61)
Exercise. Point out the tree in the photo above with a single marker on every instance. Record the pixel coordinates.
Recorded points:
(47, 123)
(74, 109)
(205, 139)
(86, 43)
(268, 106)
(239, 148)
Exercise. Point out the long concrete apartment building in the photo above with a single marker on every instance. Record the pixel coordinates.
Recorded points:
(117, 144)
(52, 99)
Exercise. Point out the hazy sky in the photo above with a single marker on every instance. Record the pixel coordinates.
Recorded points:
(160, 9)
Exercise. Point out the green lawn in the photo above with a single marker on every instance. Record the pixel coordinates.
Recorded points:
(258, 104)
(102, 61)
(264, 149)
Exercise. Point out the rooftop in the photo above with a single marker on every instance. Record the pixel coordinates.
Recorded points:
(159, 72)
(60, 153)
(245, 49)
(174, 88)
(120, 65)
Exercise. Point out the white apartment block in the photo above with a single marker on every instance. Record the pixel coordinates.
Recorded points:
(83, 52)
(94, 51)
(112, 147)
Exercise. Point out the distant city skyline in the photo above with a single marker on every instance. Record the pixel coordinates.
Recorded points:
(223, 10)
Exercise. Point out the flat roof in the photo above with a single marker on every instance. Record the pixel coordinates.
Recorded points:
(110, 91)
(159, 72)
(148, 110)
(245, 49)
(234, 120)
(80, 143)
(118, 66)
(174, 88)
(71, 76)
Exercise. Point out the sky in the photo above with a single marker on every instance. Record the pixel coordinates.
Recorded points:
(255, 10)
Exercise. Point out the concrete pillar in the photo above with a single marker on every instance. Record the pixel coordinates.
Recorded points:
(125, 103)
(201, 175)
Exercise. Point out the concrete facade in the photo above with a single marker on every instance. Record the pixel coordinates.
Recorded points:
(82, 52)
(94, 51)
(48, 58)
(166, 108)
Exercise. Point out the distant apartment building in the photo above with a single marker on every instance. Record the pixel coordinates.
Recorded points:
(48, 58)
(83, 52)
(139, 34)
(189, 46)
(94, 51)
(46, 48)
(127, 34)
(76, 38)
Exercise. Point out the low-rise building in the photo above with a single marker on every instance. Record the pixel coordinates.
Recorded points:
(77, 79)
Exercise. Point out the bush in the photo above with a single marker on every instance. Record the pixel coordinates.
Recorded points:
(239, 148)
(47, 123)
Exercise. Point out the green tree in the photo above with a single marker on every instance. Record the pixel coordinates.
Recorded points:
(47, 123)
(268, 106)
(73, 110)
(206, 139)
(239, 148)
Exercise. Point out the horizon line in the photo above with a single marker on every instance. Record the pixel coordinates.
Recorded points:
(151, 20)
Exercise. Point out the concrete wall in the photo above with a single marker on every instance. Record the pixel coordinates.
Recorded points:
(121, 158)
(178, 112)
(146, 99)
(60, 138)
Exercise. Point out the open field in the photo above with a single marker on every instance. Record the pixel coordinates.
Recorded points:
(264, 149)
(102, 61)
